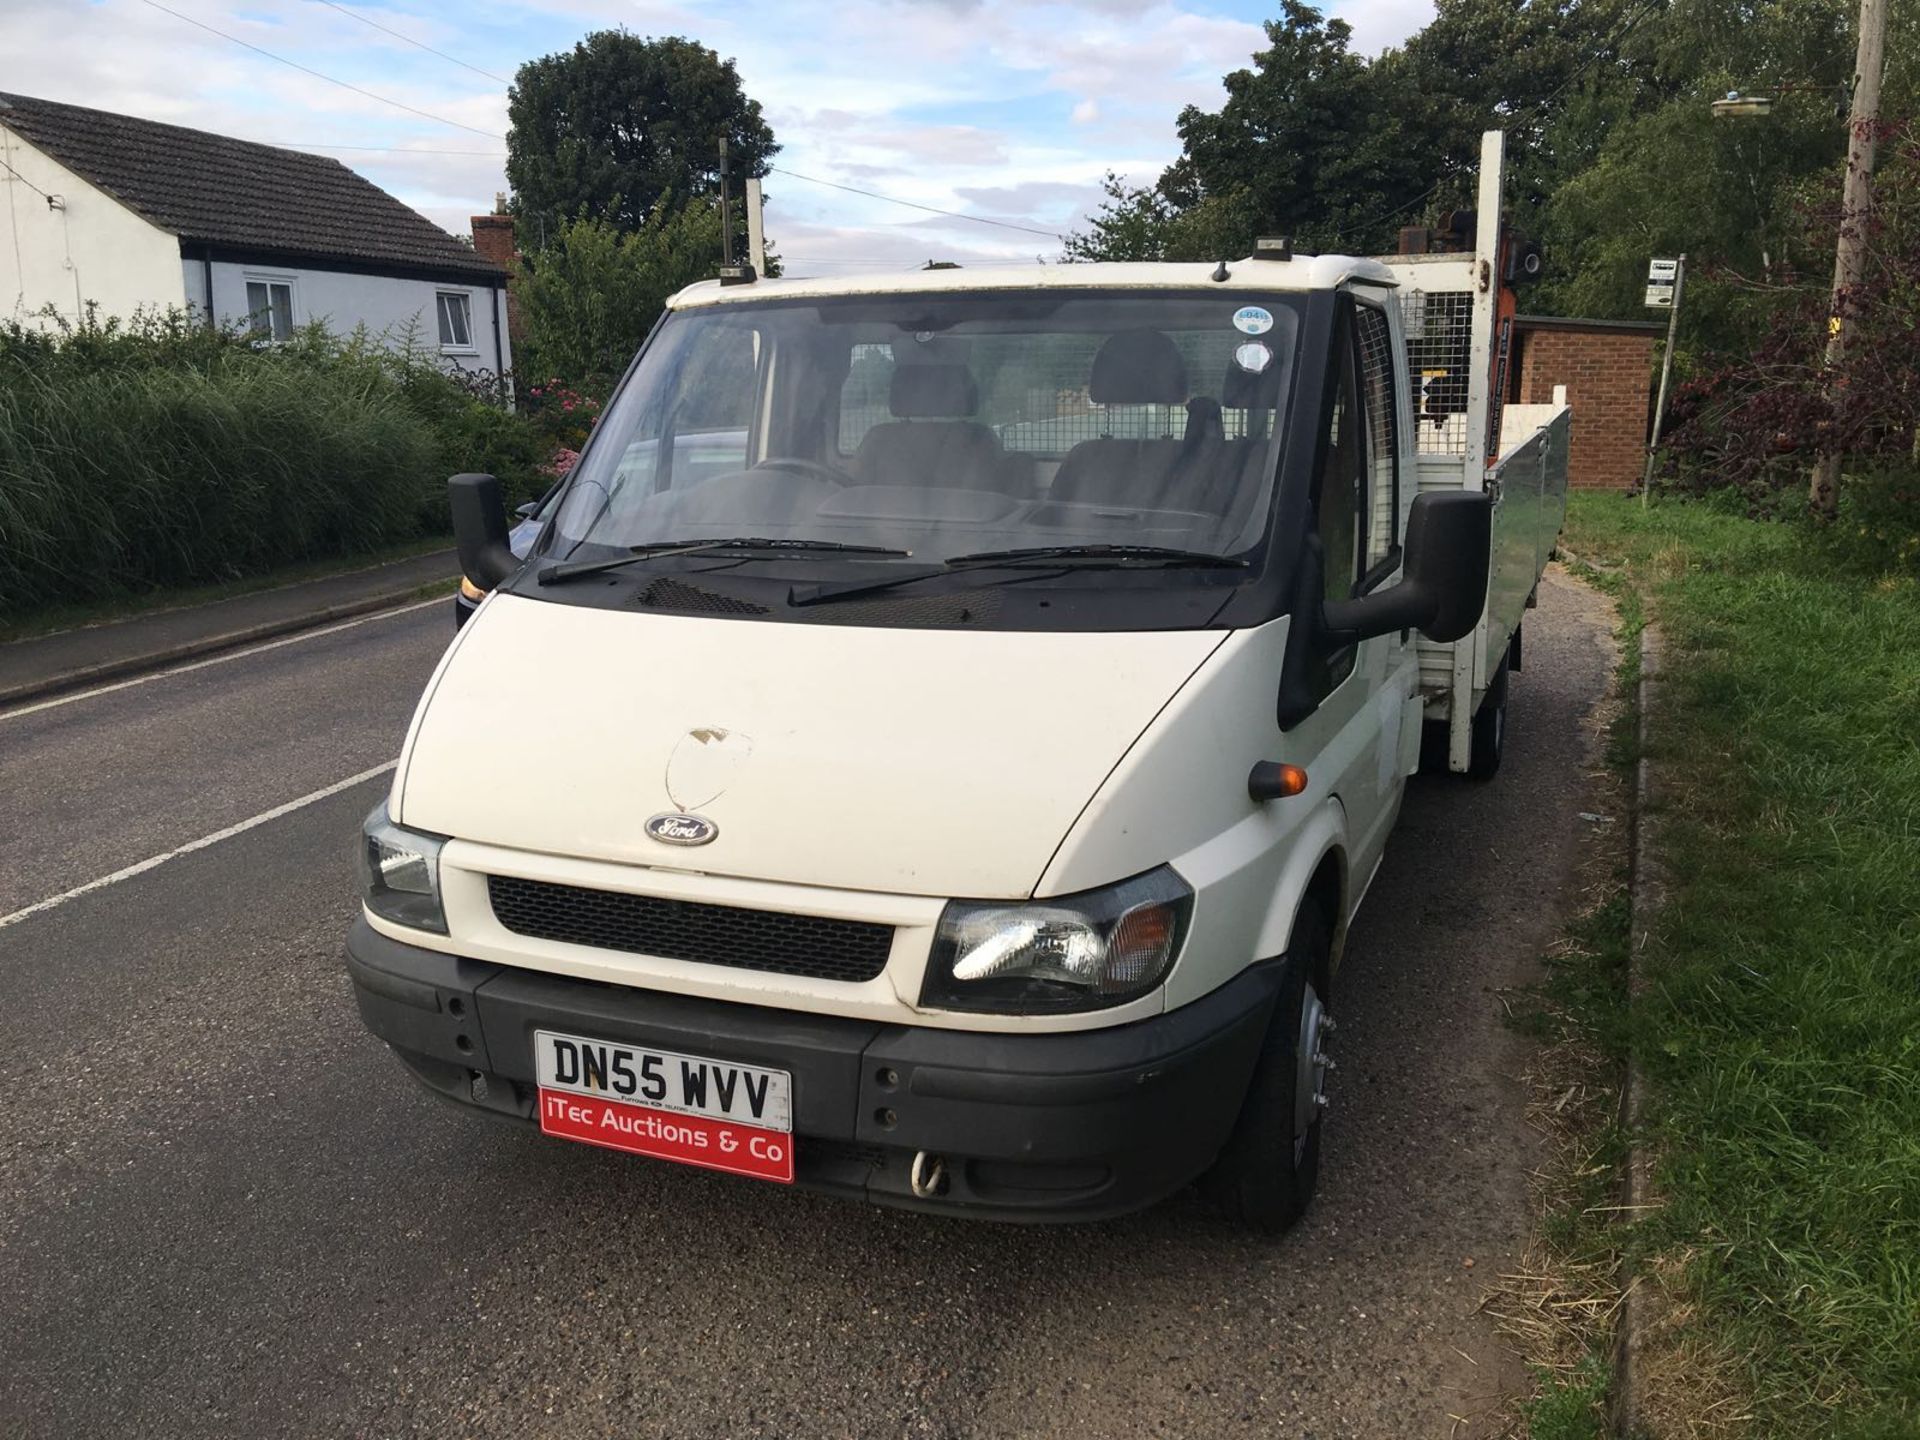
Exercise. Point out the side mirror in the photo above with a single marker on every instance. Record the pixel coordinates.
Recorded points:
(526, 511)
(480, 529)
(1443, 580)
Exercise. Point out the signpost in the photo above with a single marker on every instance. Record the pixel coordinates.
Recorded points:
(1665, 280)
(1662, 279)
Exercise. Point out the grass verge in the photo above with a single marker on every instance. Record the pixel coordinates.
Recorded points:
(55, 618)
(1558, 1305)
(1780, 1023)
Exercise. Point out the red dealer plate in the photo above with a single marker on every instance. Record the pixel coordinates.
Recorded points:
(688, 1108)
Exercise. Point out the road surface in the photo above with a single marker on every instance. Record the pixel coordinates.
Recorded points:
(225, 1210)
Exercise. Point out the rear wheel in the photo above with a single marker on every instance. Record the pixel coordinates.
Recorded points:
(1490, 730)
(1266, 1175)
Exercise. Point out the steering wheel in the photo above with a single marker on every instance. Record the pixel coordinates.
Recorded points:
(798, 466)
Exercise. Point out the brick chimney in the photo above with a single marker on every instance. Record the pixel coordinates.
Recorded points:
(493, 240)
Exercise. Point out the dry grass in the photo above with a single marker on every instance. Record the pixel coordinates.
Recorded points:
(1686, 1388)
(1558, 1307)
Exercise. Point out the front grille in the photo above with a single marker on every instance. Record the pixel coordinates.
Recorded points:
(808, 945)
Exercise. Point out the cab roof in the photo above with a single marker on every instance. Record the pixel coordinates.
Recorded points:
(1305, 272)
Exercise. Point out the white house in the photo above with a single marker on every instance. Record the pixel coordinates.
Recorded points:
(124, 213)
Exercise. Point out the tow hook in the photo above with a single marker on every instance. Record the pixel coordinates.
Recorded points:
(929, 1177)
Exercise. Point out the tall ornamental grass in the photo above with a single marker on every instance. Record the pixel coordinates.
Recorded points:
(156, 455)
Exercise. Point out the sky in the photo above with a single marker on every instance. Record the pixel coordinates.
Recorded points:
(1001, 111)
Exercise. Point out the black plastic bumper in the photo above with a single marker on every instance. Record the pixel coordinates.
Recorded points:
(1073, 1126)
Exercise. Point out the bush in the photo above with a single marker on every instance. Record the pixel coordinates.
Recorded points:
(590, 296)
(158, 453)
(1756, 421)
(1878, 527)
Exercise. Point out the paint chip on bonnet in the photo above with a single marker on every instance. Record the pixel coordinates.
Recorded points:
(703, 763)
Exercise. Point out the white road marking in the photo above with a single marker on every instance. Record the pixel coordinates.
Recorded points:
(155, 861)
(220, 659)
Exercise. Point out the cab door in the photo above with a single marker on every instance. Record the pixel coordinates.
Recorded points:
(1385, 418)
(1356, 732)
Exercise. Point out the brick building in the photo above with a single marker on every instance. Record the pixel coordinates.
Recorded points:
(1607, 367)
(493, 242)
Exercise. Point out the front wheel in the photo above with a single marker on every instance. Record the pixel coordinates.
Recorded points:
(1490, 729)
(1266, 1175)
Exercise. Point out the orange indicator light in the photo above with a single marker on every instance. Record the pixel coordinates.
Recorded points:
(1271, 780)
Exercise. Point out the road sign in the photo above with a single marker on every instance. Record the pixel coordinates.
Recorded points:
(1661, 276)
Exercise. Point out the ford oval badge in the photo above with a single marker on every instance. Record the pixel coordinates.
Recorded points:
(676, 829)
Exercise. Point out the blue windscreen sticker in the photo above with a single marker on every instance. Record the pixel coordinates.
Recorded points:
(1252, 320)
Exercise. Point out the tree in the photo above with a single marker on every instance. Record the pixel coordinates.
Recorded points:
(1134, 222)
(620, 124)
(590, 297)
(1666, 176)
(1322, 144)
(1753, 416)
(1305, 144)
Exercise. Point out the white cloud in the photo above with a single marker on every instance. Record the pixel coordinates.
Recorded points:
(1378, 24)
(1002, 109)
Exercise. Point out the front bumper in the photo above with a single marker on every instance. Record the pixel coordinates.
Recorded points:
(1075, 1126)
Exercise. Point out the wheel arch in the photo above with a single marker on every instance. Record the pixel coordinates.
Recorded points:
(1317, 870)
(1327, 888)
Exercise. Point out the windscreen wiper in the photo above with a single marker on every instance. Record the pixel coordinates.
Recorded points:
(662, 548)
(1037, 557)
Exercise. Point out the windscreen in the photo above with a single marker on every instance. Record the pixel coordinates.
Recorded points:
(944, 425)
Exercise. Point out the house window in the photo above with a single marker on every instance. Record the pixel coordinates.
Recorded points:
(270, 309)
(456, 320)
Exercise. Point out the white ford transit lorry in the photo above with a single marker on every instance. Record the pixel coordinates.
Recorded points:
(969, 708)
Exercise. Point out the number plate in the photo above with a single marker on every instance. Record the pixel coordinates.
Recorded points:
(686, 1108)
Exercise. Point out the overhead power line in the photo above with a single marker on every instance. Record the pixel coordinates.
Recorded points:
(417, 44)
(305, 70)
(1627, 23)
(491, 135)
(910, 204)
(380, 149)
(24, 181)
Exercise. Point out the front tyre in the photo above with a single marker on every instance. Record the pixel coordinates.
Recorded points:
(1266, 1174)
(1490, 729)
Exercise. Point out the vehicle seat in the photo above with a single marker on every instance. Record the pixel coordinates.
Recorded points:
(1257, 394)
(1133, 367)
(932, 443)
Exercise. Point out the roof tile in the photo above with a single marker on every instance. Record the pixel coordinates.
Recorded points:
(216, 190)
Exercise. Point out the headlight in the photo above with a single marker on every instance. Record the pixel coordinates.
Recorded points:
(400, 873)
(1079, 952)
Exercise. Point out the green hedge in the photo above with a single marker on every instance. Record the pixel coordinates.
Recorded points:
(158, 454)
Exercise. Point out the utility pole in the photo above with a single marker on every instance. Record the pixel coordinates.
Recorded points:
(726, 214)
(756, 228)
(1850, 257)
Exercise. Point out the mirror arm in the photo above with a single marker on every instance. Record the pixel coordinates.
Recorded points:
(1404, 606)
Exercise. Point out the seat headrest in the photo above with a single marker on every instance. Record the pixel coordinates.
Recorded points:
(1138, 367)
(1245, 389)
(932, 391)
(1203, 420)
